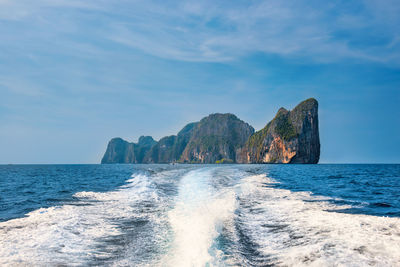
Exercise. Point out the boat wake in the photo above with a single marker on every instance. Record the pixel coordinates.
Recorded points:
(199, 216)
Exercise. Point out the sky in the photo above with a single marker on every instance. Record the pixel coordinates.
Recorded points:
(74, 74)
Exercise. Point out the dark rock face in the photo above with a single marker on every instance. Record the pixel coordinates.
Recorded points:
(291, 137)
(170, 148)
(163, 151)
(117, 151)
(216, 137)
(121, 151)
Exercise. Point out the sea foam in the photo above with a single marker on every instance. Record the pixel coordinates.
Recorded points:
(197, 220)
(301, 229)
(200, 216)
(74, 234)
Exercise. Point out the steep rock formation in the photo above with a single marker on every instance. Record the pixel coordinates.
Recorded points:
(170, 148)
(216, 137)
(291, 137)
(121, 151)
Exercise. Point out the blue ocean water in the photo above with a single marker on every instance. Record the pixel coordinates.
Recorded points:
(372, 189)
(24, 188)
(200, 215)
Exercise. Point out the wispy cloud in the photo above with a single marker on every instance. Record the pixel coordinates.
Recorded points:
(225, 30)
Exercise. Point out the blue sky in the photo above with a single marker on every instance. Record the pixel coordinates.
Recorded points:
(74, 74)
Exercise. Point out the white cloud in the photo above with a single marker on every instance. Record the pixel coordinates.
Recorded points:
(226, 30)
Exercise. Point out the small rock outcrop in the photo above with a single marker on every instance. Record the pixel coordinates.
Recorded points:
(291, 137)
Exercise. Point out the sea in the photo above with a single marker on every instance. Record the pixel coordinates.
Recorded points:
(200, 215)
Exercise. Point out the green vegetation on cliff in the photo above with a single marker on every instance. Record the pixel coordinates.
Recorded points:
(292, 136)
(281, 125)
(284, 128)
(224, 161)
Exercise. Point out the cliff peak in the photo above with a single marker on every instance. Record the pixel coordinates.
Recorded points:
(216, 137)
(146, 140)
(220, 116)
(291, 137)
(282, 110)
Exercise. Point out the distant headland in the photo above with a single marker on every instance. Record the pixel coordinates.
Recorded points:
(291, 137)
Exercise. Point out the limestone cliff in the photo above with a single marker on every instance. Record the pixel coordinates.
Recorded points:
(291, 137)
(121, 151)
(170, 148)
(216, 137)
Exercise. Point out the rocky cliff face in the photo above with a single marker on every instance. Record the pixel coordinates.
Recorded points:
(216, 137)
(291, 137)
(121, 151)
(170, 148)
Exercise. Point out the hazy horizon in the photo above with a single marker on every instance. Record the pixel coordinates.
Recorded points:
(74, 74)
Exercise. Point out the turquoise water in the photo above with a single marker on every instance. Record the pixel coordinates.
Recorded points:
(200, 215)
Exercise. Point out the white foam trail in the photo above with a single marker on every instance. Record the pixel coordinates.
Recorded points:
(295, 230)
(69, 234)
(197, 219)
(281, 227)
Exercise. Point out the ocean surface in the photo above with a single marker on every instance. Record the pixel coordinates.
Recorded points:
(200, 215)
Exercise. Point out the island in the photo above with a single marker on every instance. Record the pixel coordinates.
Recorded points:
(291, 137)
